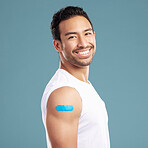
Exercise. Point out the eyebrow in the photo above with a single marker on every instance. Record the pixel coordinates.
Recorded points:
(68, 33)
(90, 29)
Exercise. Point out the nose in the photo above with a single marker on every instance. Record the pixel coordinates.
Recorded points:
(82, 42)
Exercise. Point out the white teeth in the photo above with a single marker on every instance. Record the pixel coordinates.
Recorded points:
(84, 52)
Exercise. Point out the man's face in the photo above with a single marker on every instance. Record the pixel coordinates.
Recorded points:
(78, 41)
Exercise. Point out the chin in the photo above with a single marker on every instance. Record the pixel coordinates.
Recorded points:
(82, 64)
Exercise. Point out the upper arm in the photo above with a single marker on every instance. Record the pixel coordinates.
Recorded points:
(62, 126)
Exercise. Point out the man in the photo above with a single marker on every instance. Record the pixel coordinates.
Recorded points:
(73, 114)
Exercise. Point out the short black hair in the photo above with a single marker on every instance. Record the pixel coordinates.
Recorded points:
(65, 14)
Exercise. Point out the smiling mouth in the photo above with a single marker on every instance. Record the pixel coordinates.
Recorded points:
(83, 52)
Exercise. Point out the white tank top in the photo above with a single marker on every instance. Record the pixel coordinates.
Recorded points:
(93, 121)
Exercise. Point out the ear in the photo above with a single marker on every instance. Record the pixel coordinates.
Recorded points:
(58, 46)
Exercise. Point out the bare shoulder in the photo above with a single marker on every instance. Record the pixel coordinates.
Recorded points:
(64, 96)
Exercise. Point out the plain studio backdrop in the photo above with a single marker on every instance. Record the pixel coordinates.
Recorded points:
(119, 71)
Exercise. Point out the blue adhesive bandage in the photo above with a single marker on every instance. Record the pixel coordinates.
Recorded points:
(64, 108)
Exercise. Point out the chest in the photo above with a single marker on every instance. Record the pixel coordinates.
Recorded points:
(93, 108)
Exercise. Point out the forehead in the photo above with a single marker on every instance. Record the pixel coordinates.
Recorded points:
(74, 24)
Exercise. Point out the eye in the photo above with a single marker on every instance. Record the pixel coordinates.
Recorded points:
(71, 37)
(88, 33)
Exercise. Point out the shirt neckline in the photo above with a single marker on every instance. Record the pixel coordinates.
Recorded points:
(66, 72)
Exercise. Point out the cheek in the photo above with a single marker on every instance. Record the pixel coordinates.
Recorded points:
(67, 49)
(91, 40)
(70, 46)
(94, 42)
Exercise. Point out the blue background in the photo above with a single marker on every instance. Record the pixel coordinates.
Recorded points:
(119, 71)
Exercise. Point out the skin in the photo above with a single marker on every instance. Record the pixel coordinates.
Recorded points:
(77, 37)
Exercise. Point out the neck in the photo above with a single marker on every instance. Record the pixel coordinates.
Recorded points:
(80, 73)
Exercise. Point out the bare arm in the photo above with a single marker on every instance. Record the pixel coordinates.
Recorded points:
(62, 126)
